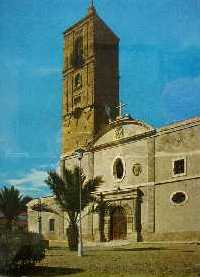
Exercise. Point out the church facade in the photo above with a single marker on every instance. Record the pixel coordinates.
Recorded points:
(151, 176)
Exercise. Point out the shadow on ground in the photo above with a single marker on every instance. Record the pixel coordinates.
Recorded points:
(50, 271)
(148, 249)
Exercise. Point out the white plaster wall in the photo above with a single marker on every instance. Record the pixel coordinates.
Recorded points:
(130, 153)
(178, 144)
(177, 218)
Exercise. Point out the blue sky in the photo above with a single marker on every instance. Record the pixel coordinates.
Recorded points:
(159, 73)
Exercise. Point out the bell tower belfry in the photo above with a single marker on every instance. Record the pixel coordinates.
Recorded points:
(90, 80)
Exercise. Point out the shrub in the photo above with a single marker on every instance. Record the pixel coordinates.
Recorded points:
(20, 250)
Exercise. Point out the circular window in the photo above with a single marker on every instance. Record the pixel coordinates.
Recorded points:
(179, 197)
(118, 169)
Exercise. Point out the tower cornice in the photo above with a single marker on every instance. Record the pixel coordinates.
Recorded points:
(92, 15)
(81, 21)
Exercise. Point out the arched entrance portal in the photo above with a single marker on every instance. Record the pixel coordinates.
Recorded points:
(118, 224)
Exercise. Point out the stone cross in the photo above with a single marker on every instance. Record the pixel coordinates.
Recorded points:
(120, 107)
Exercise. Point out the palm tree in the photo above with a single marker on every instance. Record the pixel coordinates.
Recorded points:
(12, 203)
(66, 191)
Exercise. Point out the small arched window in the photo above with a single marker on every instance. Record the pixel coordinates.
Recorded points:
(77, 81)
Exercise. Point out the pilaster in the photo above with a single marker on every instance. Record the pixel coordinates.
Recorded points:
(151, 209)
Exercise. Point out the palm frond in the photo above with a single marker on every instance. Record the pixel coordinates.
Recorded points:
(12, 203)
(67, 189)
(101, 205)
(89, 189)
(43, 208)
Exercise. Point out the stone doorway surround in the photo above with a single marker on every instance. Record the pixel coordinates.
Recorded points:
(128, 201)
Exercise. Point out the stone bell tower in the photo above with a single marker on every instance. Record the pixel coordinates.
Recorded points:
(90, 80)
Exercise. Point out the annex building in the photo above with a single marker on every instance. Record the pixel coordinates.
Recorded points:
(151, 176)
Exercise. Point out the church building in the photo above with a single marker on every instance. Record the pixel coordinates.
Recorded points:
(151, 176)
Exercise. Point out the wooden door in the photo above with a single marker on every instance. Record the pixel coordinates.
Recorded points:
(118, 224)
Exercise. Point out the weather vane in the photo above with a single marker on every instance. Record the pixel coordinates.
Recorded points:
(91, 3)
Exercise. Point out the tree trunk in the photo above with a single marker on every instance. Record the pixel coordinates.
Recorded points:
(72, 235)
(9, 224)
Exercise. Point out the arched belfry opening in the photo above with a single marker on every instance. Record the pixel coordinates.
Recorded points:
(118, 223)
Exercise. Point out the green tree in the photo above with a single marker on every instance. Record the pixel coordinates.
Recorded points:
(66, 191)
(12, 203)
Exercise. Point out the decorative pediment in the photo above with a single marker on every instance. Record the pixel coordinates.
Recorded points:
(121, 130)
